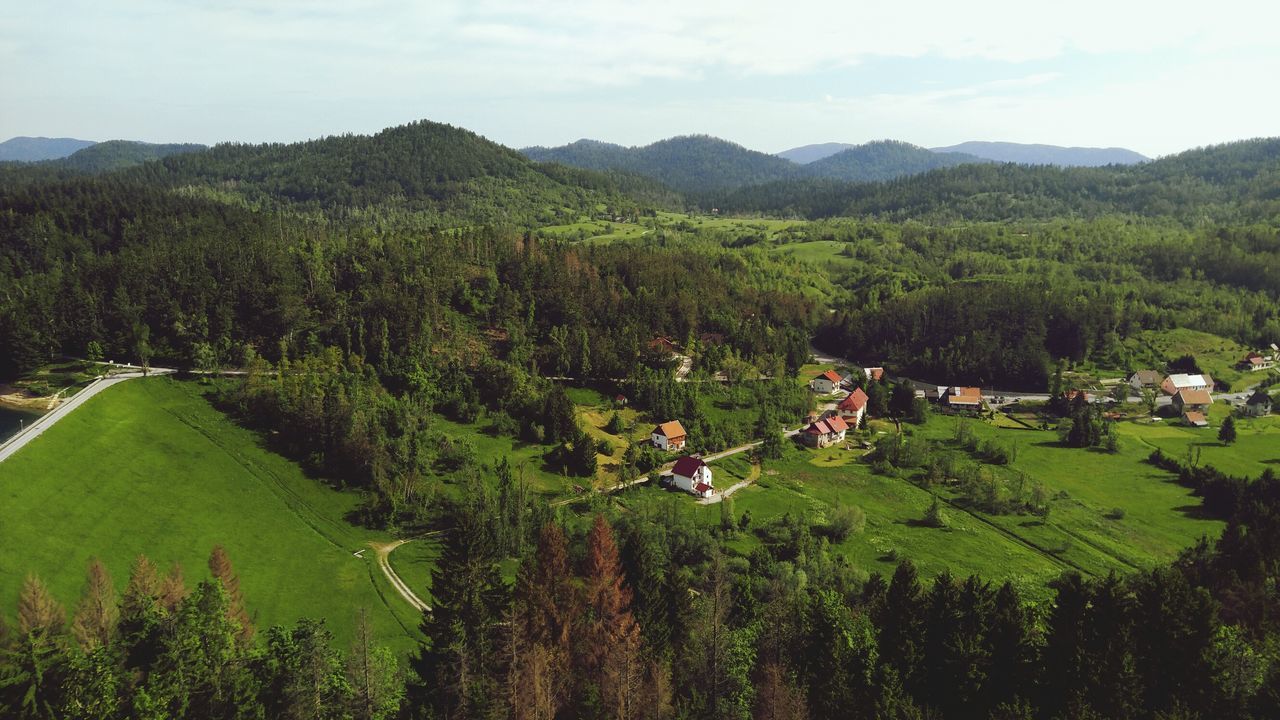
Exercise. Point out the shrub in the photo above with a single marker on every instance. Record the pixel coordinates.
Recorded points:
(933, 517)
(1115, 514)
(615, 426)
(846, 520)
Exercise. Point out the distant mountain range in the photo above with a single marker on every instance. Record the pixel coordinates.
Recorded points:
(701, 164)
(995, 152)
(35, 149)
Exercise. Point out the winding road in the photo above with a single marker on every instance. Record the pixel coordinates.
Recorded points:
(383, 551)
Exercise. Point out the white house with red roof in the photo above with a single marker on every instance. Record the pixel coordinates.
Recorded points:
(853, 407)
(824, 432)
(826, 383)
(693, 476)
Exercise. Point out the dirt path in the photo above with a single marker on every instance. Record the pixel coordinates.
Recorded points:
(383, 551)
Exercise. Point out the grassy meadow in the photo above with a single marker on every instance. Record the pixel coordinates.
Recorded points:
(1109, 512)
(149, 467)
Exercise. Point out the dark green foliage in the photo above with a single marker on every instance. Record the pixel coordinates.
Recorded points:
(1227, 433)
(461, 629)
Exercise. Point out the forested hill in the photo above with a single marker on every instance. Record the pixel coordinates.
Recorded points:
(690, 164)
(698, 164)
(423, 167)
(1234, 181)
(883, 160)
(119, 154)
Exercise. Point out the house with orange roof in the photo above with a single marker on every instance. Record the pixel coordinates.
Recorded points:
(824, 432)
(669, 436)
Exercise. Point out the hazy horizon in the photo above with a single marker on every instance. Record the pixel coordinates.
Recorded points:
(547, 73)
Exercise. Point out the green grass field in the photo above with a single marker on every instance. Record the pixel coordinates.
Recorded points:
(1257, 445)
(1083, 532)
(150, 467)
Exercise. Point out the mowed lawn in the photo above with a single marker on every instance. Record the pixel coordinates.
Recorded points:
(149, 467)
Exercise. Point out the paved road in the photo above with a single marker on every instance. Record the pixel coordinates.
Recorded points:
(46, 421)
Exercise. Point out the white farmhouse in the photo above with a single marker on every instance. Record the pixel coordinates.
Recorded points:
(692, 475)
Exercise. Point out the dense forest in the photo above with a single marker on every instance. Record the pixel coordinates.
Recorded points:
(1001, 304)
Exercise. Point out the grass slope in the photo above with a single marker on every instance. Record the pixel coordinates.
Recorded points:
(150, 467)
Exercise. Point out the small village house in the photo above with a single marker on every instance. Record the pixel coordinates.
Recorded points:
(693, 476)
(1145, 379)
(1258, 404)
(662, 346)
(965, 399)
(826, 383)
(669, 436)
(1182, 381)
(875, 374)
(1195, 419)
(853, 407)
(1192, 400)
(1254, 362)
(825, 432)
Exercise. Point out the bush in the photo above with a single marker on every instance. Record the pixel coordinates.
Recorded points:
(933, 517)
(846, 520)
(615, 426)
(1115, 514)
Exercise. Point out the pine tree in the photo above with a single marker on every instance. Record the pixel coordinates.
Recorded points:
(140, 614)
(544, 613)
(32, 670)
(1227, 433)
(1010, 648)
(220, 568)
(1064, 666)
(901, 625)
(609, 644)
(98, 613)
(453, 669)
(776, 697)
(173, 589)
(373, 675)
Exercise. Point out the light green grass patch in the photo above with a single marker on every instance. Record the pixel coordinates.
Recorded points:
(149, 467)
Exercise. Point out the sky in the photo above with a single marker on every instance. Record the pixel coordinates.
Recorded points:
(1156, 77)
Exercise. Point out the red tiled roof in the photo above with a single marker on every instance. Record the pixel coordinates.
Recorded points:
(670, 430)
(875, 373)
(855, 402)
(701, 487)
(1195, 397)
(687, 466)
(831, 375)
(837, 424)
(1194, 418)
